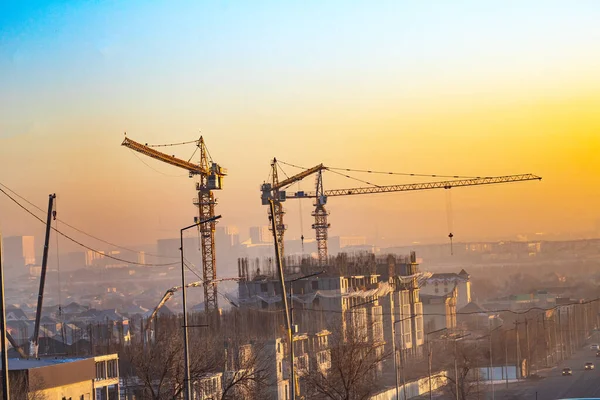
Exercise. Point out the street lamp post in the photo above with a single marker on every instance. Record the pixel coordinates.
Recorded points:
(491, 358)
(456, 362)
(292, 327)
(186, 349)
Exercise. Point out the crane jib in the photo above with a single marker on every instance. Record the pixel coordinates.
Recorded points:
(419, 186)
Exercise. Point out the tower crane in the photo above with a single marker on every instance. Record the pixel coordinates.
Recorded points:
(277, 193)
(210, 178)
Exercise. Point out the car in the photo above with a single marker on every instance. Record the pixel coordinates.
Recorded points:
(594, 347)
(589, 365)
(598, 353)
(567, 371)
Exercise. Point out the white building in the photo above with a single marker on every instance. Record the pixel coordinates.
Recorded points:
(443, 283)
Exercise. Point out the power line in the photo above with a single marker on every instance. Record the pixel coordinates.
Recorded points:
(78, 242)
(83, 232)
(521, 312)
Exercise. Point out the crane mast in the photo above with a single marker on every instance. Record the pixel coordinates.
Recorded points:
(321, 225)
(273, 191)
(276, 192)
(210, 178)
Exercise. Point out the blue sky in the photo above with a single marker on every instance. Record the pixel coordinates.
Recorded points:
(350, 83)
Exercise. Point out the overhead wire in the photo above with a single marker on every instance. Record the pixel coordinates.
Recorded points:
(498, 311)
(78, 242)
(83, 232)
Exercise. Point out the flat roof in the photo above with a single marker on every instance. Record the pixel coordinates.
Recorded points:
(16, 364)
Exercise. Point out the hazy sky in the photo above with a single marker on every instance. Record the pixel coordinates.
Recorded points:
(463, 87)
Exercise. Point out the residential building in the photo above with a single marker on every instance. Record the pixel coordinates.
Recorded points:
(444, 283)
(474, 317)
(439, 312)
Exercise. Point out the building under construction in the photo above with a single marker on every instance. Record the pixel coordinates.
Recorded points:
(359, 291)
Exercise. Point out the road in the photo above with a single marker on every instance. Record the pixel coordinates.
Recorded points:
(555, 386)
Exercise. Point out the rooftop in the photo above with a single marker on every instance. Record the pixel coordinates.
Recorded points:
(16, 364)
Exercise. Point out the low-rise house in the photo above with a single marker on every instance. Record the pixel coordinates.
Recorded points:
(94, 378)
(439, 312)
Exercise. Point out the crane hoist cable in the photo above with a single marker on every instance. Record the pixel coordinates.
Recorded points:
(450, 219)
(301, 222)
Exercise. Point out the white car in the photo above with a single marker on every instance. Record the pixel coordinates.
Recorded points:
(594, 347)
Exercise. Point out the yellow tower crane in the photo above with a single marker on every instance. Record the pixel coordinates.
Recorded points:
(210, 178)
(275, 190)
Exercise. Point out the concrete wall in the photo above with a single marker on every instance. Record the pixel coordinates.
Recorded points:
(73, 392)
(414, 388)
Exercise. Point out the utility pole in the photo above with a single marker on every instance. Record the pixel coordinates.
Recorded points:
(560, 331)
(529, 363)
(545, 339)
(288, 321)
(5, 387)
(456, 369)
(292, 318)
(396, 359)
(569, 335)
(518, 363)
(506, 357)
(491, 361)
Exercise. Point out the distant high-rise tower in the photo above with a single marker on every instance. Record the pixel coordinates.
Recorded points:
(260, 234)
(19, 251)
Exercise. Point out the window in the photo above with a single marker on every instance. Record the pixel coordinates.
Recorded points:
(113, 368)
(100, 370)
(263, 287)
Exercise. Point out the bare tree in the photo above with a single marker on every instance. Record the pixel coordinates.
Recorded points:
(247, 371)
(354, 370)
(461, 360)
(156, 370)
(25, 386)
